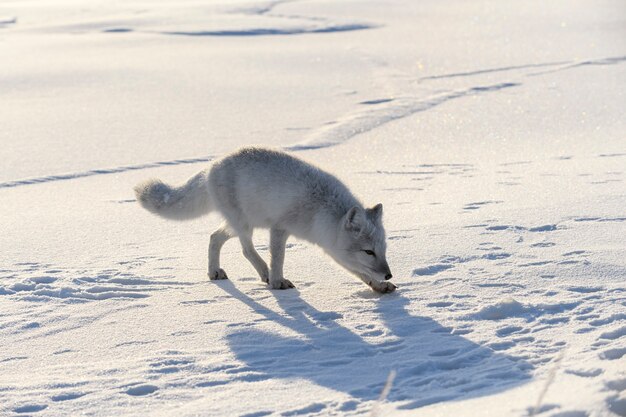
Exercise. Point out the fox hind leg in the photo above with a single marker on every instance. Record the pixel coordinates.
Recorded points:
(218, 238)
(253, 256)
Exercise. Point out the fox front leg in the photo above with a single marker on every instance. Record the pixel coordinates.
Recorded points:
(278, 239)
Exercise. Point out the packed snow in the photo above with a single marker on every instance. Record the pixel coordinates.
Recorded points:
(493, 132)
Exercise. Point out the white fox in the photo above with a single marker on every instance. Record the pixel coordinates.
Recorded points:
(256, 187)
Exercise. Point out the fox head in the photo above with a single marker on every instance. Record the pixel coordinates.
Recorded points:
(361, 246)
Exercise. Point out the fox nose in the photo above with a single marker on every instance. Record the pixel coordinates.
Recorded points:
(388, 276)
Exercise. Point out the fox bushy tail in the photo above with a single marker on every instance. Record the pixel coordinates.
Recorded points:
(188, 201)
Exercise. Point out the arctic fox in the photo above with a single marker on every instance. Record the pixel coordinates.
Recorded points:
(256, 187)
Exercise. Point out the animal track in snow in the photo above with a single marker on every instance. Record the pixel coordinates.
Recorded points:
(13, 358)
(614, 334)
(308, 410)
(448, 262)
(134, 343)
(584, 290)
(613, 354)
(101, 171)
(30, 408)
(585, 373)
(607, 320)
(377, 101)
(535, 229)
(572, 413)
(141, 390)
(67, 396)
(617, 404)
(600, 219)
(508, 330)
(512, 308)
(432, 269)
(31, 282)
(611, 155)
(480, 204)
(6, 21)
(440, 304)
(167, 365)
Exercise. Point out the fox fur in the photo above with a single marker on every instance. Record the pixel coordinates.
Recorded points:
(264, 188)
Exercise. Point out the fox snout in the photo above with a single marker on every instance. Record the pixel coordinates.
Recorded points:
(384, 269)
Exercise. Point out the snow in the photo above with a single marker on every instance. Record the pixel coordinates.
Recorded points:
(492, 132)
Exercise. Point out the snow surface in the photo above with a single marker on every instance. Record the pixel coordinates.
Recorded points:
(492, 131)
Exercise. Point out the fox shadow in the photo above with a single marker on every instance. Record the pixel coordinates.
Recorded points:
(432, 363)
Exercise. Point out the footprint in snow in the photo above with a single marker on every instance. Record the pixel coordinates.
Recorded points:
(508, 330)
(542, 245)
(140, 390)
(616, 402)
(615, 334)
(431, 269)
(67, 396)
(37, 282)
(479, 204)
(572, 413)
(31, 408)
(440, 304)
(377, 101)
(613, 354)
(585, 372)
(449, 262)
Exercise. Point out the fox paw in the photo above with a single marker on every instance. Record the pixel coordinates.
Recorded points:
(217, 274)
(281, 284)
(383, 287)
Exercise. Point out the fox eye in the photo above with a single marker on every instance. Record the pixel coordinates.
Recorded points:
(369, 252)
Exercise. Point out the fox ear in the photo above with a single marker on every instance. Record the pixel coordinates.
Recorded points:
(353, 219)
(375, 212)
